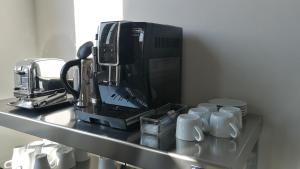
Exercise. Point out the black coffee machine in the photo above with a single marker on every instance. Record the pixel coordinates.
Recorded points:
(136, 66)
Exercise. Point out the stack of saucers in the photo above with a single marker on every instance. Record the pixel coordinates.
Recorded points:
(222, 102)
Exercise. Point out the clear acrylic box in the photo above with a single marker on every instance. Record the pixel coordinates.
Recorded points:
(162, 119)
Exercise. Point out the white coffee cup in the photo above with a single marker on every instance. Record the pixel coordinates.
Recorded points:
(49, 143)
(81, 155)
(41, 162)
(65, 157)
(16, 160)
(189, 128)
(22, 158)
(236, 112)
(204, 115)
(106, 163)
(223, 124)
(50, 150)
(29, 158)
(208, 106)
(36, 145)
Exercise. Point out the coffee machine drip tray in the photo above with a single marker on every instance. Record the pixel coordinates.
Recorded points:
(110, 115)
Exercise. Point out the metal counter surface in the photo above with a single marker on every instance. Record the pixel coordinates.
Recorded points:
(60, 125)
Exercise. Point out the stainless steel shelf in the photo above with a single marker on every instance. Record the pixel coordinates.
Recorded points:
(60, 125)
(92, 163)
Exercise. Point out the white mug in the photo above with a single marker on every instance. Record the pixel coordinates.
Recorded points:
(48, 143)
(22, 158)
(81, 155)
(29, 158)
(65, 157)
(50, 150)
(189, 128)
(236, 112)
(223, 124)
(209, 106)
(16, 160)
(204, 115)
(41, 162)
(106, 163)
(36, 145)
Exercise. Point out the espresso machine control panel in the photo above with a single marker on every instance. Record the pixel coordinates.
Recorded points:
(108, 44)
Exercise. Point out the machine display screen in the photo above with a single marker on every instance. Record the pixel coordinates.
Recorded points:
(108, 43)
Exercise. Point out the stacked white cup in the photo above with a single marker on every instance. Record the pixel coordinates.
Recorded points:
(21, 159)
(81, 155)
(236, 113)
(188, 128)
(41, 162)
(44, 155)
(106, 163)
(225, 123)
(204, 110)
(65, 157)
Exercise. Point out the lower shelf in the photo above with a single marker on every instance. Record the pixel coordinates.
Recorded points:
(92, 163)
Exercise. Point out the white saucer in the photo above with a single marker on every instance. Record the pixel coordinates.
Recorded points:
(230, 102)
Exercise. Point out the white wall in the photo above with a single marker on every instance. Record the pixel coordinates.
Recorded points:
(17, 41)
(55, 23)
(89, 14)
(248, 50)
(55, 28)
(17, 32)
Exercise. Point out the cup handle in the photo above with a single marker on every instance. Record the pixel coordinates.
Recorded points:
(236, 131)
(200, 135)
(8, 164)
(53, 163)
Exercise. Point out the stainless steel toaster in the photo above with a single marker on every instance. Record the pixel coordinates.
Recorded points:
(37, 82)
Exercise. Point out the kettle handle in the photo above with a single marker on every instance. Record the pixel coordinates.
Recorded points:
(63, 76)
